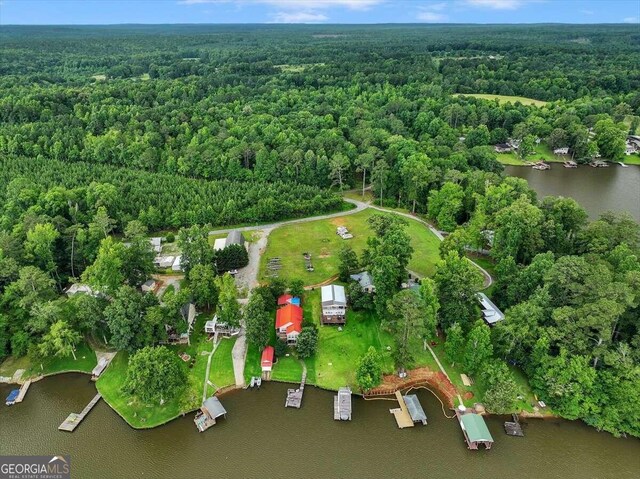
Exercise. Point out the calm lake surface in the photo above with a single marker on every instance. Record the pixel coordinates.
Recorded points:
(262, 439)
(596, 189)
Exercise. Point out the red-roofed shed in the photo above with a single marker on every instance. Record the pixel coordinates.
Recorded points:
(267, 358)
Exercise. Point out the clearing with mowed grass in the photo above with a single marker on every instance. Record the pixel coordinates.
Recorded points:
(319, 239)
(504, 98)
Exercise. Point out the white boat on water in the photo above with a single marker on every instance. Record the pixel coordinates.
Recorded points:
(623, 165)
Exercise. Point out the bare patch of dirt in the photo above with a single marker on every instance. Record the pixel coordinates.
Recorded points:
(416, 377)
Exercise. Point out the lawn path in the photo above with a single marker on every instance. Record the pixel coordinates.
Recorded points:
(433, 353)
(206, 376)
(239, 356)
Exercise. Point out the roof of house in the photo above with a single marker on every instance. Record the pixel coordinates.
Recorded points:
(235, 237)
(150, 283)
(267, 356)
(219, 244)
(363, 278)
(289, 316)
(333, 293)
(79, 288)
(503, 145)
(490, 311)
(214, 407)
(476, 428)
(284, 299)
(415, 408)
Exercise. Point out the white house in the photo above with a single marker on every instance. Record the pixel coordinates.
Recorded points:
(163, 262)
(177, 264)
(334, 304)
(490, 312)
(156, 244)
(79, 288)
(561, 151)
(219, 244)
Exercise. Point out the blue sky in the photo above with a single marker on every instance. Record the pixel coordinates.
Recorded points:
(317, 11)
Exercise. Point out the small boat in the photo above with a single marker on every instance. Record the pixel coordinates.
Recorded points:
(570, 164)
(253, 381)
(258, 381)
(11, 398)
(623, 165)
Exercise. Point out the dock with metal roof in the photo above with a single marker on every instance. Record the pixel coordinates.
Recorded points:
(415, 409)
(474, 428)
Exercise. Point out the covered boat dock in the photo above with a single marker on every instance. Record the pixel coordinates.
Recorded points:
(415, 409)
(474, 428)
(210, 411)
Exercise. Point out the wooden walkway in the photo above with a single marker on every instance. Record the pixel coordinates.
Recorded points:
(294, 396)
(74, 419)
(23, 391)
(403, 418)
(513, 428)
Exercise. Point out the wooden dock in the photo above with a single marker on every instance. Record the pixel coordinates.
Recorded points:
(294, 396)
(513, 428)
(403, 418)
(74, 419)
(23, 391)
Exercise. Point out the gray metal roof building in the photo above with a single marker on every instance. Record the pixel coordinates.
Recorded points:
(235, 237)
(415, 408)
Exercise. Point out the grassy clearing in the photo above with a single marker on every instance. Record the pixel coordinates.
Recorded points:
(99, 77)
(142, 415)
(286, 68)
(320, 240)
(542, 152)
(85, 362)
(627, 121)
(505, 98)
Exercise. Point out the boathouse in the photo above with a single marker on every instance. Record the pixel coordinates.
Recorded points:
(474, 428)
(415, 409)
(266, 362)
(210, 410)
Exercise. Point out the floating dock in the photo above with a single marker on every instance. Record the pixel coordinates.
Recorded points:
(74, 419)
(513, 428)
(294, 396)
(23, 391)
(342, 405)
(403, 418)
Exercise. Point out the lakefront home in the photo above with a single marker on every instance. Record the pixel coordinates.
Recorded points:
(289, 323)
(334, 304)
(365, 281)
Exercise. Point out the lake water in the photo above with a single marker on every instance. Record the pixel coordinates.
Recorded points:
(596, 189)
(262, 439)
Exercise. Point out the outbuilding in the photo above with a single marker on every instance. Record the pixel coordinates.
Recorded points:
(365, 281)
(490, 312)
(266, 362)
(235, 237)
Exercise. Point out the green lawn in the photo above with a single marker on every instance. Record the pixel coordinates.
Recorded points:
(542, 152)
(142, 415)
(319, 238)
(505, 98)
(85, 362)
(221, 373)
(632, 159)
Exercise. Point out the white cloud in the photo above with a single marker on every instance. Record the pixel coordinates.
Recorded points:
(427, 16)
(298, 17)
(297, 4)
(436, 6)
(587, 12)
(630, 20)
(497, 4)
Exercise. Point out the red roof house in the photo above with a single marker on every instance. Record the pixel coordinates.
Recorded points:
(289, 323)
(267, 358)
(284, 299)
